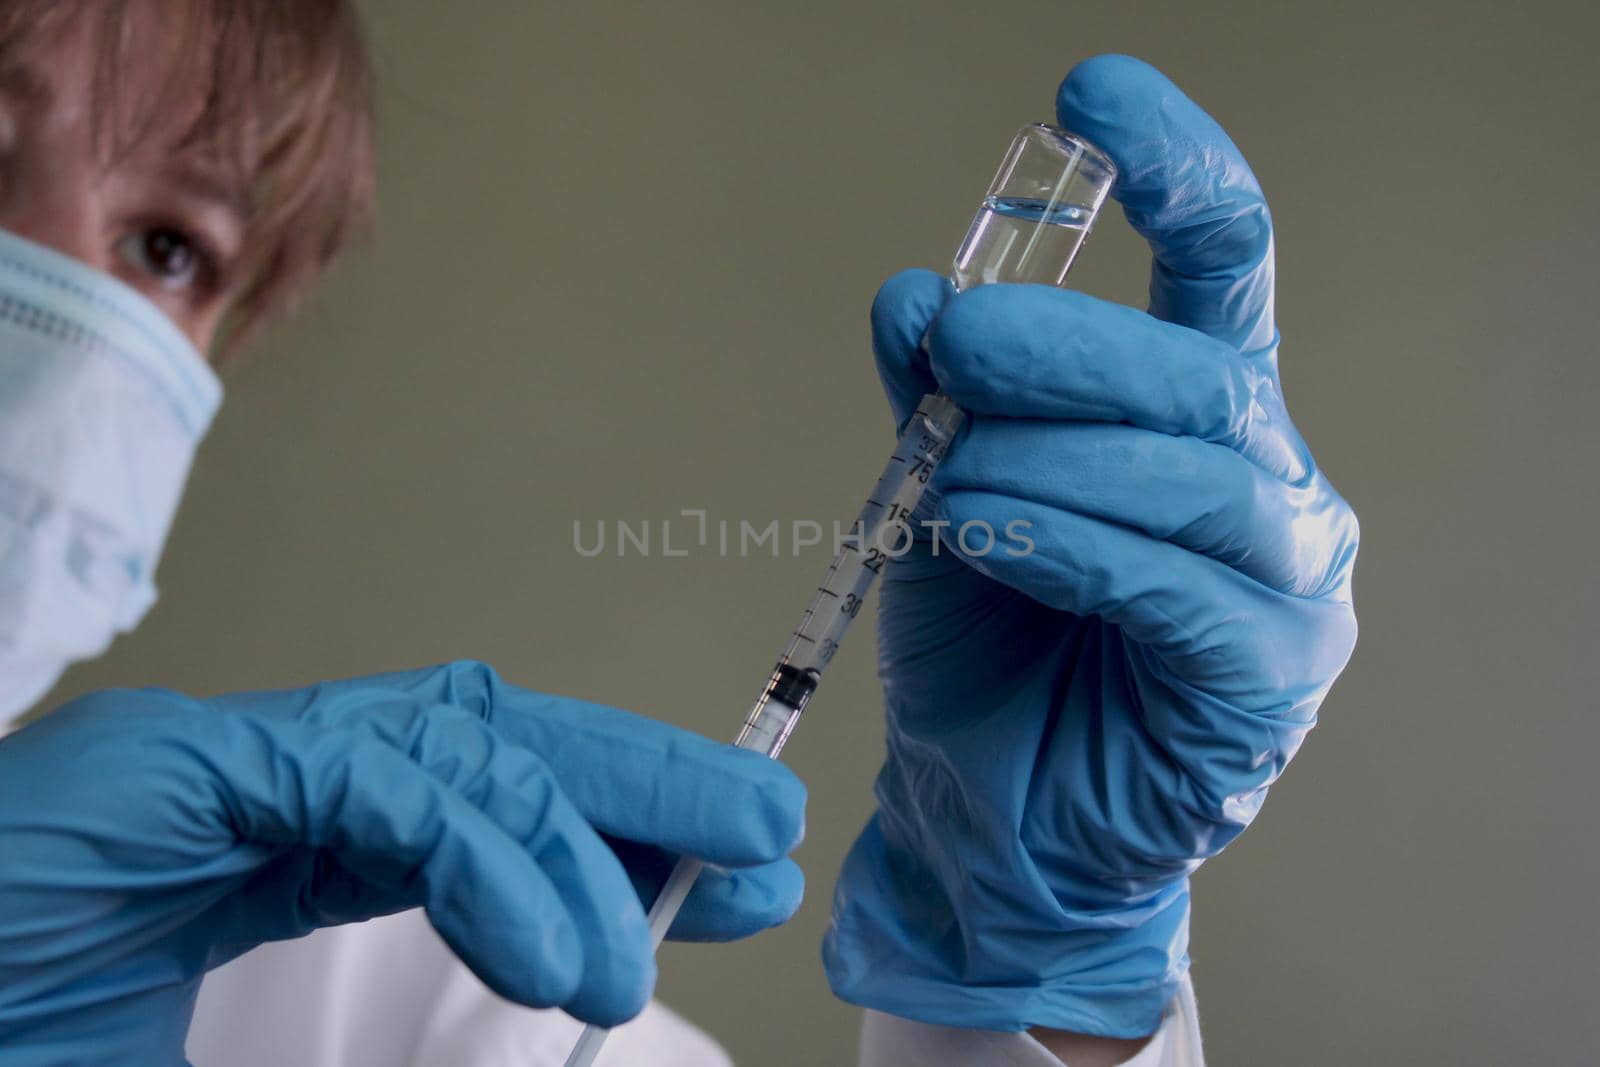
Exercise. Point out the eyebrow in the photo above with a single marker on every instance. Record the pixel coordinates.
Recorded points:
(200, 183)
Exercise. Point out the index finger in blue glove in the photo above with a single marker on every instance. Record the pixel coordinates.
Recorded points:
(1187, 189)
(630, 776)
(1032, 351)
(662, 785)
(481, 764)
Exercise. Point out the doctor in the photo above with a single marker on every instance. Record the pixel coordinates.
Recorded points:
(1071, 732)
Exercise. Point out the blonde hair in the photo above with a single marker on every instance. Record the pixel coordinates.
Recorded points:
(285, 93)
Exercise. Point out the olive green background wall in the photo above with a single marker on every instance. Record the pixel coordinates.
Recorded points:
(625, 259)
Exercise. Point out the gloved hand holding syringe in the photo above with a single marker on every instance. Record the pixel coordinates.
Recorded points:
(1035, 217)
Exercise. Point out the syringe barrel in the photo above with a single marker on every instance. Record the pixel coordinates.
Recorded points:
(766, 729)
(881, 532)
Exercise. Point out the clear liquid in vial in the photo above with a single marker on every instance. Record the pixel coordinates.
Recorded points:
(1020, 240)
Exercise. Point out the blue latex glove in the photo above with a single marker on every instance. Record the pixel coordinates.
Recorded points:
(146, 837)
(1072, 730)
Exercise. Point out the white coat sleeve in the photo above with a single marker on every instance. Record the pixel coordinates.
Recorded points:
(890, 1041)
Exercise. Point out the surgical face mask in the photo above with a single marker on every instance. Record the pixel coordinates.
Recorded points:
(102, 403)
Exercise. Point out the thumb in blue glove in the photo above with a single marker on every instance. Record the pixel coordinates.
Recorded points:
(150, 836)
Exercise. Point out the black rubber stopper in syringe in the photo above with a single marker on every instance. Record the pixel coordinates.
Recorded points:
(792, 686)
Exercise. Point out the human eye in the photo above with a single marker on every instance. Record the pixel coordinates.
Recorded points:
(172, 257)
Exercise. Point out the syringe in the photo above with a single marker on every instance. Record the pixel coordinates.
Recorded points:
(1034, 219)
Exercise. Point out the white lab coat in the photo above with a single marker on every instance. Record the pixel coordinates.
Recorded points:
(388, 993)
